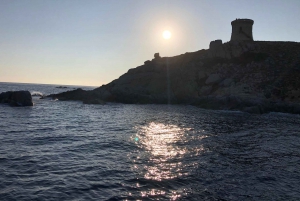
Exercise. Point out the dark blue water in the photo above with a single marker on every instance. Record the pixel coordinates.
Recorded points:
(71, 151)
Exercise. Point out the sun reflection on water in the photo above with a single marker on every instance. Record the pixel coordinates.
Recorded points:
(164, 150)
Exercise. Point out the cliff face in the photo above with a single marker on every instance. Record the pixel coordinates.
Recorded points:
(235, 75)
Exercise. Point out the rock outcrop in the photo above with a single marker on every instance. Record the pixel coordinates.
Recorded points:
(16, 98)
(87, 97)
(251, 76)
(215, 45)
(156, 56)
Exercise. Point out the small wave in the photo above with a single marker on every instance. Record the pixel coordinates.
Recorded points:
(37, 93)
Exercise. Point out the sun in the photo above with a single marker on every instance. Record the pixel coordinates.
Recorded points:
(167, 34)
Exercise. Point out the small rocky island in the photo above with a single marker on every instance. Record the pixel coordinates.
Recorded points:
(16, 98)
(242, 74)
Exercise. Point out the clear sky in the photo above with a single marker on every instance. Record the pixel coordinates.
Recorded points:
(92, 42)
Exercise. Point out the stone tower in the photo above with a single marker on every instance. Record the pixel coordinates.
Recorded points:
(242, 30)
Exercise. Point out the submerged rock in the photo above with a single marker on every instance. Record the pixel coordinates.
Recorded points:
(16, 98)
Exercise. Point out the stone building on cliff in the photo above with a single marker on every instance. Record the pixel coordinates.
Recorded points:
(242, 30)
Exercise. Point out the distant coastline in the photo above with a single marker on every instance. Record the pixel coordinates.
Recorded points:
(70, 86)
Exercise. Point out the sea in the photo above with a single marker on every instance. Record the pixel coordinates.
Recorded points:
(67, 150)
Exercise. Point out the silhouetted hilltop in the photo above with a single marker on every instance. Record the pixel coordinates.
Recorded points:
(254, 76)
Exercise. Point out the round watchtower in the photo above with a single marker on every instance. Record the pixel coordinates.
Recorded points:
(242, 30)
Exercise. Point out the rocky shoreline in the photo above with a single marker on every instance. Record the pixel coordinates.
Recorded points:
(254, 106)
(254, 77)
(251, 76)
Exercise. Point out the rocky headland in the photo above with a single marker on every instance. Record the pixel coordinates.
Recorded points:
(251, 76)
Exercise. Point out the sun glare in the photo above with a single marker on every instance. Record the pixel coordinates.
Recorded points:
(167, 34)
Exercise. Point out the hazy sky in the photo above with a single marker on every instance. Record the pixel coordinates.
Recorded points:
(92, 42)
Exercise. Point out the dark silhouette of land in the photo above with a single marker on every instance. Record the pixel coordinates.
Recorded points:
(242, 74)
(252, 76)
